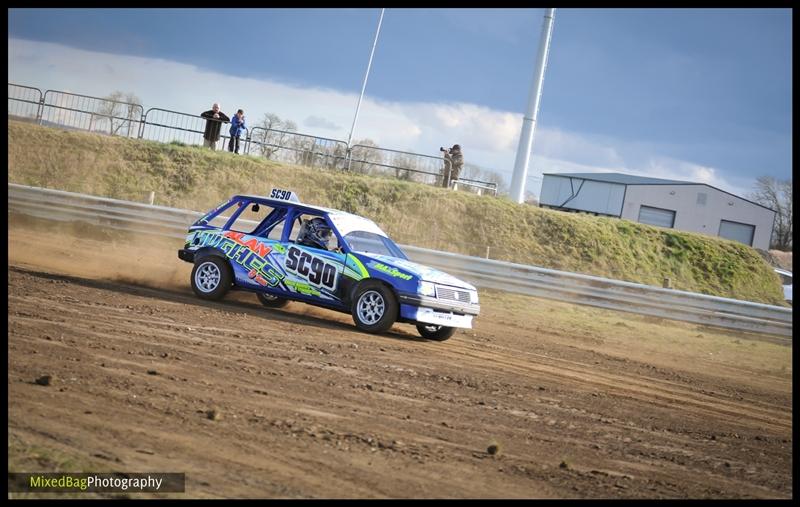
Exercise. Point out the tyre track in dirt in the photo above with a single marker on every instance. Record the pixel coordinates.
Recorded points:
(312, 407)
(773, 416)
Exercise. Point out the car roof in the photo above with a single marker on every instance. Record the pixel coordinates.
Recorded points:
(300, 205)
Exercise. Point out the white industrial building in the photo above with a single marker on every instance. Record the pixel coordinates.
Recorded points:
(694, 207)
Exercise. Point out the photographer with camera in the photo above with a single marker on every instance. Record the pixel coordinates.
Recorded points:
(237, 129)
(453, 162)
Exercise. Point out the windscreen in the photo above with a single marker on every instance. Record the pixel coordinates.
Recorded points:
(369, 242)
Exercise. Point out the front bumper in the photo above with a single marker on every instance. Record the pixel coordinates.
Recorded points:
(428, 310)
(186, 255)
(439, 304)
(436, 317)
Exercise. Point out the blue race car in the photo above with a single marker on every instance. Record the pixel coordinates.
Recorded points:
(284, 250)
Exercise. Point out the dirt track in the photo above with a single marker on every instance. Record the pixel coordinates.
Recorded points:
(310, 407)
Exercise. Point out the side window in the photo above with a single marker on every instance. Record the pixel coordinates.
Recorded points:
(249, 218)
(333, 242)
(277, 230)
(221, 215)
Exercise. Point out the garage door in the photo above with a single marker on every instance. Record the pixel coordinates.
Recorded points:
(736, 231)
(656, 216)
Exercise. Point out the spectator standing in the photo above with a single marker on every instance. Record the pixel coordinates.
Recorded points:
(214, 118)
(454, 162)
(237, 128)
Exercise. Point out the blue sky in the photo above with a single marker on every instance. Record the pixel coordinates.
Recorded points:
(695, 94)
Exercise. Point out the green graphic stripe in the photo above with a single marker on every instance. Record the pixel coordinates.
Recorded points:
(355, 265)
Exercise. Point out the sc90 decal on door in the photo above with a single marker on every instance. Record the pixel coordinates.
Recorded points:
(315, 269)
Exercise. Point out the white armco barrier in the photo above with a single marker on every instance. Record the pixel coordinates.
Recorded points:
(505, 276)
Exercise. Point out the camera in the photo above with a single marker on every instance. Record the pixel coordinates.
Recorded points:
(443, 149)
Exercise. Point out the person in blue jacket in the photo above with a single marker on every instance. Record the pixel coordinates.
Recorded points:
(237, 128)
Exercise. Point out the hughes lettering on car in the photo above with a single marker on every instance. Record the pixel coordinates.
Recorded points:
(284, 250)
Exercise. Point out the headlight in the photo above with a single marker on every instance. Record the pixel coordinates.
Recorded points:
(473, 297)
(427, 289)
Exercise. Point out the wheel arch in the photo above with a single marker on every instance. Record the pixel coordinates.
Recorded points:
(356, 286)
(210, 251)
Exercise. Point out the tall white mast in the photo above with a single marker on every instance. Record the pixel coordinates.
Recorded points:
(366, 75)
(518, 180)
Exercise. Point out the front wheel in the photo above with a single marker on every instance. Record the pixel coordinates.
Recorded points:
(434, 332)
(211, 278)
(271, 301)
(374, 307)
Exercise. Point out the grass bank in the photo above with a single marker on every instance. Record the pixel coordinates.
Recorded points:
(198, 179)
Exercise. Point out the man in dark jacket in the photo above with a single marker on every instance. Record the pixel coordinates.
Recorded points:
(214, 117)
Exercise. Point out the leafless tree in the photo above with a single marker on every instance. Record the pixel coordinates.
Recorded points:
(404, 166)
(273, 134)
(364, 157)
(119, 109)
(777, 194)
(302, 148)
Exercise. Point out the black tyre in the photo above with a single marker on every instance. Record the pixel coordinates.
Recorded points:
(211, 278)
(374, 307)
(434, 332)
(271, 301)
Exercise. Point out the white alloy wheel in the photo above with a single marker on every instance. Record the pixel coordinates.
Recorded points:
(207, 277)
(370, 307)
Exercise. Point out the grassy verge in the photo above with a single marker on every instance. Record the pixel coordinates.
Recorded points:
(198, 179)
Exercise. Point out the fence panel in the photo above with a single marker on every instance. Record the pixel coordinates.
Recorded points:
(398, 164)
(299, 149)
(168, 126)
(24, 103)
(476, 186)
(95, 114)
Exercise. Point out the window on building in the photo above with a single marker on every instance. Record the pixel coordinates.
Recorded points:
(743, 233)
(657, 216)
(701, 198)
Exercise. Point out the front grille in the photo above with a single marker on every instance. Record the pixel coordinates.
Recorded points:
(446, 293)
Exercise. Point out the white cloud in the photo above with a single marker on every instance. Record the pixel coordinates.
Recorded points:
(318, 121)
(489, 138)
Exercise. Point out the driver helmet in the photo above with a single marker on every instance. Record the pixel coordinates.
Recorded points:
(315, 232)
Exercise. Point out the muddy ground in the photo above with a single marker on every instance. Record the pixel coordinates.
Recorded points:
(580, 402)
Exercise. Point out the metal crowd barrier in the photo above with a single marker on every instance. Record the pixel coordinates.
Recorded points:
(295, 148)
(95, 114)
(399, 164)
(505, 276)
(103, 115)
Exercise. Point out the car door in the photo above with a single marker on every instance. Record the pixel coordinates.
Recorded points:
(313, 274)
(251, 241)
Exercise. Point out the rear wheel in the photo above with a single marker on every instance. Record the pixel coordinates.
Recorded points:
(374, 307)
(211, 278)
(271, 301)
(434, 332)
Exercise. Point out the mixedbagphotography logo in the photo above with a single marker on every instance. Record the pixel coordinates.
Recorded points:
(96, 482)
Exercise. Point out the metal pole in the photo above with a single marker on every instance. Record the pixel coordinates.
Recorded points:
(366, 75)
(529, 121)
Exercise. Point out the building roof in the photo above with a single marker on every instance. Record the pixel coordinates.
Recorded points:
(624, 179)
(629, 179)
